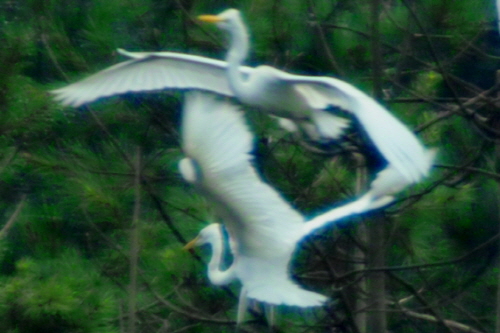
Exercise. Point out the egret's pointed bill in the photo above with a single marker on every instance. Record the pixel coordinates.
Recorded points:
(191, 243)
(210, 18)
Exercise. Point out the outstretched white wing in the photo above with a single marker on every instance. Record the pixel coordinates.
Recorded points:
(218, 143)
(149, 71)
(388, 182)
(399, 146)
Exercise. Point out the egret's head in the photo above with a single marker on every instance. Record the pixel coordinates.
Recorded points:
(226, 20)
(210, 234)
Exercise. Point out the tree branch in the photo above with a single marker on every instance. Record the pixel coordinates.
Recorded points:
(447, 322)
(13, 217)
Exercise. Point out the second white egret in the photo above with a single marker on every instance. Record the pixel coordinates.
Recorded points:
(263, 227)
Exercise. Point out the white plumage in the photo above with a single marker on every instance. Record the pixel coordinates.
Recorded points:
(302, 99)
(264, 229)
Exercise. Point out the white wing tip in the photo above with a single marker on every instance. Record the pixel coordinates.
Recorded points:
(62, 97)
(134, 55)
(431, 155)
(425, 167)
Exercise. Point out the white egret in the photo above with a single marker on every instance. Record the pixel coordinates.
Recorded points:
(302, 99)
(263, 227)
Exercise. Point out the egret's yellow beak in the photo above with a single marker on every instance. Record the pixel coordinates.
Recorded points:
(191, 244)
(210, 18)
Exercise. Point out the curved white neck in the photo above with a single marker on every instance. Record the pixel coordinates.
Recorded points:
(215, 275)
(238, 50)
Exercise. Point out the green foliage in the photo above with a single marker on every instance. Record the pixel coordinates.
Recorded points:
(63, 294)
(110, 24)
(65, 261)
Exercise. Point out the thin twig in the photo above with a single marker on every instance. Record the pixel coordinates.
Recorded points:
(13, 217)
(422, 300)
(52, 57)
(324, 43)
(423, 266)
(447, 322)
(487, 173)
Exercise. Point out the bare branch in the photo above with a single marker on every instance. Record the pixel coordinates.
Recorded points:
(447, 322)
(422, 300)
(321, 33)
(489, 242)
(13, 217)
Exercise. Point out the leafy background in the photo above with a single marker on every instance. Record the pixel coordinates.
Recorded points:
(95, 212)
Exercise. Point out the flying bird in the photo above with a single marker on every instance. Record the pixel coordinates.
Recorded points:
(264, 229)
(305, 100)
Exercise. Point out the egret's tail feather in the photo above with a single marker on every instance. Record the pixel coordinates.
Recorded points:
(286, 293)
(268, 280)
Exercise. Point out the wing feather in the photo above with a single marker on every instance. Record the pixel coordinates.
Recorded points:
(217, 138)
(214, 133)
(399, 146)
(150, 71)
